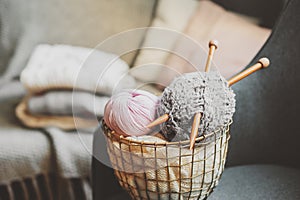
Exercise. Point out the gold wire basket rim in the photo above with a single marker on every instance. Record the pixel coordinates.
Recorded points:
(129, 140)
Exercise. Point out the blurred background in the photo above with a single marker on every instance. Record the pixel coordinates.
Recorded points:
(45, 44)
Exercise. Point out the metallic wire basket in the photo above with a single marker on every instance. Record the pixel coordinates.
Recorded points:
(168, 170)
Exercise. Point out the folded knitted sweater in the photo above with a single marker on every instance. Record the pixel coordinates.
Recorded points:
(69, 86)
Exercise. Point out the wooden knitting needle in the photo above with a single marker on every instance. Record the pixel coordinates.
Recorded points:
(213, 45)
(262, 63)
(158, 121)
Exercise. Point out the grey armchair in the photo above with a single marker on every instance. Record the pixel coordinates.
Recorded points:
(264, 152)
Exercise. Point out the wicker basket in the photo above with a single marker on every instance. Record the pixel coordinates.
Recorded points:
(168, 170)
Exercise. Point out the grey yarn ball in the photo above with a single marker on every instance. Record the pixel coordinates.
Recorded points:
(207, 93)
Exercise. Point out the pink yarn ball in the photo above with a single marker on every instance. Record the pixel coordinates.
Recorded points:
(130, 111)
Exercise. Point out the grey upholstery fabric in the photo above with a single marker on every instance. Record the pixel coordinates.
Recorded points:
(253, 182)
(75, 22)
(258, 182)
(251, 8)
(266, 122)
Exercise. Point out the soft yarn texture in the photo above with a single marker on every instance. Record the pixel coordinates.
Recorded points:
(206, 93)
(62, 69)
(69, 103)
(26, 152)
(70, 67)
(130, 111)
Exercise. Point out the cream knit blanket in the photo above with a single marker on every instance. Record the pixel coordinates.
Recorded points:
(65, 80)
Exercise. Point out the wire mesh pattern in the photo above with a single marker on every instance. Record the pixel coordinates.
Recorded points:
(150, 170)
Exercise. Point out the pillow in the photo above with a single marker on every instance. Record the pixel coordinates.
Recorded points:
(239, 41)
(25, 24)
(172, 15)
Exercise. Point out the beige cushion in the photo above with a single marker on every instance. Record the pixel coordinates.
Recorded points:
(172, 15)
(239, 41)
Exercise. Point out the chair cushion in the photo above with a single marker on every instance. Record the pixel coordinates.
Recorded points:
(204, 21)
(258, 182)
(266, 122)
